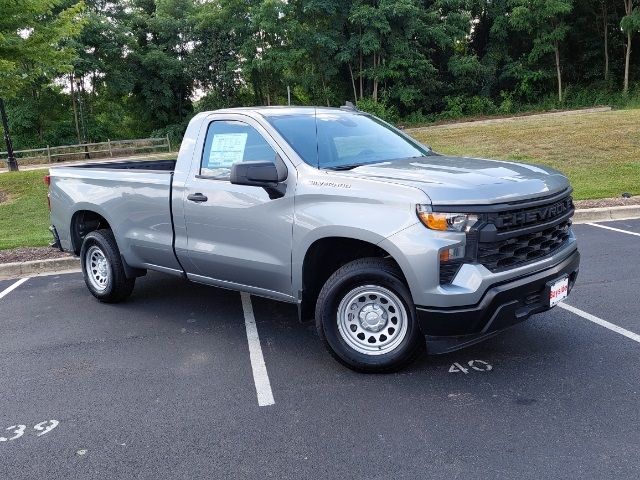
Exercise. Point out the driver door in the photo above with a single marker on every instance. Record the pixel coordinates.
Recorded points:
(237, 235)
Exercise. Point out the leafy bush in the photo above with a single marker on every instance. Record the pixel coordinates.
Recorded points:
(507, 105)
(455, 107)
(379, 109)
(467, 106)
(478, 105)
(418, 118)
(174, 131)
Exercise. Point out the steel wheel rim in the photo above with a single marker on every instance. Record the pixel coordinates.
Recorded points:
(372, 320)
(97, 267)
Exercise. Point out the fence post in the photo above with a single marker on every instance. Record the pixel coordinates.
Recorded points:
(49, 153)
(110, 152)
(168, 143)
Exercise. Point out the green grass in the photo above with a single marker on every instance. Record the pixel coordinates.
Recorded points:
(599, 152)
(24, 219)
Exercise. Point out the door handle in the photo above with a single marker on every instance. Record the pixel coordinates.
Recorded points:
(197, 197)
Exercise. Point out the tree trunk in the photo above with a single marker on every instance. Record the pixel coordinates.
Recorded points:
(605, 24)
(628, 9)
(12, 163)
(324, 90)
(375, 79)
(558, 70)
(360, 74)
(627, 62)
(353, 84)
(75, 109)
(39, 120)
(83, 124)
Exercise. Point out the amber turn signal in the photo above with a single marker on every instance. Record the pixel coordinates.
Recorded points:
(434, 221)
(450, 222)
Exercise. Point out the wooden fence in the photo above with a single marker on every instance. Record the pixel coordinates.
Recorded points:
(88, 151)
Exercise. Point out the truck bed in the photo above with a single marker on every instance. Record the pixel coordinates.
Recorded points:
(161, 165)
(133, 197)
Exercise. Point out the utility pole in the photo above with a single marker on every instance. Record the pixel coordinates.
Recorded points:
(12, 164)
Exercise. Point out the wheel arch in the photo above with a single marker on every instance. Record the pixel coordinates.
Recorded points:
(83, 222)
(326, 254)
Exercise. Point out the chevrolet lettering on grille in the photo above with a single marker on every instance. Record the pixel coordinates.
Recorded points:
(542, 214)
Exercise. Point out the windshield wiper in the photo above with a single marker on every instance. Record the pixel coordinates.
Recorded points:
(348, 166)
(351, 166)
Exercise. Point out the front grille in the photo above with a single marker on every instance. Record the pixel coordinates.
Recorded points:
(511, 235)
(515, 219)
(522, 249)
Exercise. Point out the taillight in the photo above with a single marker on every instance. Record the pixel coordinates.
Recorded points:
(47, 182)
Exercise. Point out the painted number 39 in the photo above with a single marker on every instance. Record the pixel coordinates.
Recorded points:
(477, 365)
(19, 430)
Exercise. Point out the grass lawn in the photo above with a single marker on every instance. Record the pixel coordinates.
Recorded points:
(600, 152)
(24, 219)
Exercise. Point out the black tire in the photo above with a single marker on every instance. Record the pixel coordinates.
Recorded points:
(117, 287)
(347, 279)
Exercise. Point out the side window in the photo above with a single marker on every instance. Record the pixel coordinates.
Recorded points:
(230, 142)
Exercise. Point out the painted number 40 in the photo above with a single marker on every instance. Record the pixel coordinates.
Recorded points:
(477, 365)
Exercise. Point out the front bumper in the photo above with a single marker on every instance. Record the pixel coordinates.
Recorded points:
(503, 305)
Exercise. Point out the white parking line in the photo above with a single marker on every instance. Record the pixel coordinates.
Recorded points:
(12, 287)
(614, 229)
(260, 375)
(592, 318)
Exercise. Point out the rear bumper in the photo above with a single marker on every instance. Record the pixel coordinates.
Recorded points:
(502, 306)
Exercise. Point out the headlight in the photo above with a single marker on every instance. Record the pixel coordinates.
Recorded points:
(445, 222)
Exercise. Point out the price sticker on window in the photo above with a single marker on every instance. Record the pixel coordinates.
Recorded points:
(227, 149)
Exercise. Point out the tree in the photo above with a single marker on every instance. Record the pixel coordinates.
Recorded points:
(32, 45)
(159, 36)
(630, 24)
(545, 20)
(214, 63)
(321, 55)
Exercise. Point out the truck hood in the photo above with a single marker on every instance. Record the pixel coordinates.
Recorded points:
(468, 181)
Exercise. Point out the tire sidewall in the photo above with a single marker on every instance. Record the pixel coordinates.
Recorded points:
(328, 322)
(95, 239)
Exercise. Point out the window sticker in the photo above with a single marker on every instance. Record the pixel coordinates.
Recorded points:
(226, 149)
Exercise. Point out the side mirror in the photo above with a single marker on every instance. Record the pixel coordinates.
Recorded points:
(259, 173)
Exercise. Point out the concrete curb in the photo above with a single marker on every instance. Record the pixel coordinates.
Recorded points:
(37, 267)
(606, 213)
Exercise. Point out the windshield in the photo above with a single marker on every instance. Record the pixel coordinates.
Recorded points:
(341, 140)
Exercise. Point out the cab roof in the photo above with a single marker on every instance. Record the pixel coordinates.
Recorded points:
(287, 110)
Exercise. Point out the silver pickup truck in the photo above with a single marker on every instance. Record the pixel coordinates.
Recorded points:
(384, 242)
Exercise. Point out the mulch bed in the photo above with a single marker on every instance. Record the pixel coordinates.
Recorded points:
(24, 254)
(608, 202)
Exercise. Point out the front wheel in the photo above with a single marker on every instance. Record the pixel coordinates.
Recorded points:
(366, 317)
(102, 268)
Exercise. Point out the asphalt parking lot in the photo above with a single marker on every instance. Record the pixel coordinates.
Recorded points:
(167, 385)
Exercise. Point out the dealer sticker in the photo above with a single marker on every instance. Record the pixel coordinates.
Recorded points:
(559, 291)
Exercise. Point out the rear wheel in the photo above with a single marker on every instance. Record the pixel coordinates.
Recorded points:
(366, 317)
(102, 268)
